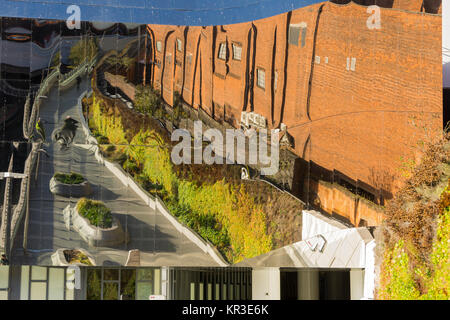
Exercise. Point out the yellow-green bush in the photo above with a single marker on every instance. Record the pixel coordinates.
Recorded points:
(148, 150)
(236, 210)
(223, 213)
(397, 278)
(400, 281)
(109, 126)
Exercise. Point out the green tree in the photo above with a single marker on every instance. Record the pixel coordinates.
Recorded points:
(123, 62)
(82, 50)
(148, 101)
(56, 60)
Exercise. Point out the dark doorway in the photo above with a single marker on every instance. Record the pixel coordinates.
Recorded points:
(334, 285)
(446, 107)
(288, 285)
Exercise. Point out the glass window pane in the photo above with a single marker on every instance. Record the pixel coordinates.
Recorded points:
(223, 51)
(237, 52)
(145, 274)
(217, 295)
(294, 33)
(3, 295)
(128, 284)
(70, 294)
(192, 291)
(38, 273)
(24, 282)
(56, 284)
(111, 274)
(303, 36)
(209, 291)
(38, 291)
(200, 291)
(94, 278)
(261, 78)
(144, 290)
(110, 291)
(275, 81)
(157, 281)
(4, 276)
(224, 291)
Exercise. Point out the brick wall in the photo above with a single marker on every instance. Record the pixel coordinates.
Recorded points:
(119, 81)
(355, 100)
(336, 200)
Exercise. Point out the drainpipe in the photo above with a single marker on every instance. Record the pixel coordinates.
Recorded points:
(308, 101)
(145, 59)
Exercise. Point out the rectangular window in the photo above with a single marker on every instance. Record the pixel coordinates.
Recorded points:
(237, 52)
(353, 64)
(261, 78)
(56, 284)
(158, 46)
(38, 291)
(294, 33)
(4, 282)
(223, 51)
(275, 81)
(303, 36)
(179, 45)
(145, 284)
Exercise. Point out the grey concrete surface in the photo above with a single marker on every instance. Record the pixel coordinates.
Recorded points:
(150, 232)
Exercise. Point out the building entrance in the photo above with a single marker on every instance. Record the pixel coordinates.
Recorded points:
(122, 283)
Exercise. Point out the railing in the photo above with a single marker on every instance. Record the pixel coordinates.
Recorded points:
(21, 207)
(6, 208)
(29, 123)
(154, 202)
(66, 79)
(29, 119)
(16, 92)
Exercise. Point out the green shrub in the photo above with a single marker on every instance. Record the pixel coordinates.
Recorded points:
(111, 148)
(82, 50)
(120, 158)
(147, 100)
(223, 213)
(130, 166)
(96, 212)
(123, 62)
(76, 256)
(102, 140)
(71, 178)
(400, 280)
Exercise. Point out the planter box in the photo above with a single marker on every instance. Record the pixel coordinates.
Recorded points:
(99, 237)
(58, 258)
(70, 190)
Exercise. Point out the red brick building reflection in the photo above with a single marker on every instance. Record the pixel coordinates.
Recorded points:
(356, 100)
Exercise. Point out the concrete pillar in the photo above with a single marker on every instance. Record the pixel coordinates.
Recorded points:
(266, 284)
(308, 284)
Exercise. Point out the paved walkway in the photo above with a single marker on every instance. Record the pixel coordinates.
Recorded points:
(150, 232)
